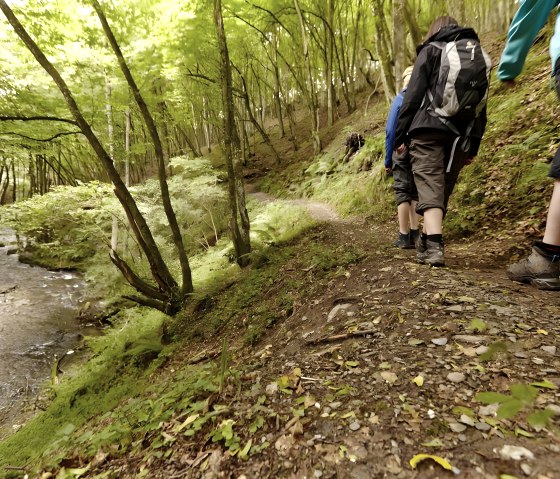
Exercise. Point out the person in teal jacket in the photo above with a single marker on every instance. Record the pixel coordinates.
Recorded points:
(542, 267)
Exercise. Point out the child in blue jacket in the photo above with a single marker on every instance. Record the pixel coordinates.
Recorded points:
(399, 166)
(542, 267)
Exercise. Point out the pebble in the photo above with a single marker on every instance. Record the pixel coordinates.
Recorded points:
(355, 426)
(549, 349)
(482, 426)
(466, 420)
(440, 341)
(467, 338)
(456, 377)
(317, 473)
(456, 427)
(481, 350)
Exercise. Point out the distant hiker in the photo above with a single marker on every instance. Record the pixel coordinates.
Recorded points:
(542, 267)
(399, 166)
(442, 121)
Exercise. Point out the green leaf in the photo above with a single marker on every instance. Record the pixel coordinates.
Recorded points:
(245, 451)
(460, 410)
(493, 350)
(491, 397)
(522, 432)
(540, 419)
(545, 384)
(509, 408)
(524, 392)
(478, 325)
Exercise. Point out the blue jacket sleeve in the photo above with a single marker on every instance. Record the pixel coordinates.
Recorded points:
(390, 129)
(526, 24)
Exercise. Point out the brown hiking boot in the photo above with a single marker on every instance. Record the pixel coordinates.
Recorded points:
(433, 255)
(537, 269)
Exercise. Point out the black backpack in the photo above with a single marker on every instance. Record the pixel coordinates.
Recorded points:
(461, 90)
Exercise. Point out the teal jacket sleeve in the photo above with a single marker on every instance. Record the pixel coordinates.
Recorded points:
(529, 19)
(555, 43)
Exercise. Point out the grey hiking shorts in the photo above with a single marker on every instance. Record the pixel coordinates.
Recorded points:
(435, 170)
(405, 189)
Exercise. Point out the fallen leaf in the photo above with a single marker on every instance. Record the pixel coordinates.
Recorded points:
(418, 380)
(440, 460)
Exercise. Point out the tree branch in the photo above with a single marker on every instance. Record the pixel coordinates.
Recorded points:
(42, 139)
(37, 118)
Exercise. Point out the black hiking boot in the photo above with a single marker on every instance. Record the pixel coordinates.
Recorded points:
(538, 269)
(413, 238)
(403, 241)
(433, 255)
(420, 245)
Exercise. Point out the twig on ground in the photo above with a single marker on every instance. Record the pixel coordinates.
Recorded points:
(340, 337)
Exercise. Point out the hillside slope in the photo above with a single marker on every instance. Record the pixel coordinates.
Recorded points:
(336, 355)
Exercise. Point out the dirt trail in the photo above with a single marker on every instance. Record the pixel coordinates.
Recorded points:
(318, 211)
(383, 361)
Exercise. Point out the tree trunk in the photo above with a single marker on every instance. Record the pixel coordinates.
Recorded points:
(255, 123)
(166, 295)
(187, 286)
(312, 100)
(239, 222)
(399, 41)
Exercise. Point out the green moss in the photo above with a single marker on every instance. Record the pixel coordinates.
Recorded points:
(117, 370)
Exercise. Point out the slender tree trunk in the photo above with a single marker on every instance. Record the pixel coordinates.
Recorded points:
(312, 100)
(239, 222)
(277, 88)
(399, 41)
(187, 286)
(14, 179)
(165, 296)
(255, 123)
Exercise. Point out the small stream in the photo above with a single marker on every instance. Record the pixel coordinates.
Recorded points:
(38, 310)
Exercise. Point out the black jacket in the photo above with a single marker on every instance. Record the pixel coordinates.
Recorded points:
(414, 116)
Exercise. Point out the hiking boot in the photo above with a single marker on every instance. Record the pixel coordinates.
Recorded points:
(433, 255)
(420, 243)
(403, 241)
(413, 238)
(538, 269)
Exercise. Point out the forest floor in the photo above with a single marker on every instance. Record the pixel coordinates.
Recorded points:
(381, 359)
(345, 358)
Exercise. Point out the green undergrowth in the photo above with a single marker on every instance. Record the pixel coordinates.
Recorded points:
(505, 192)
(264, 294)
(120, 367)
(354, 186)
(137, 395)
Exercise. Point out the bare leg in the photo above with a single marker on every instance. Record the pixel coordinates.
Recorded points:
(404, 214)
(552, 230)
(413, 216)
(433, 220)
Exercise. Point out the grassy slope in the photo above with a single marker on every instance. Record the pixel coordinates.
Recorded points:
(501, 194)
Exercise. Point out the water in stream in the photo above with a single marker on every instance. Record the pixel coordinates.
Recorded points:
(37, 320)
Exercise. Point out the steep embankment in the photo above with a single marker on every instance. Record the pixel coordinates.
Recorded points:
(336, 355)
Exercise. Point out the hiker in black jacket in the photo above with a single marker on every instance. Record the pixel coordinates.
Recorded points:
(441, 145)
